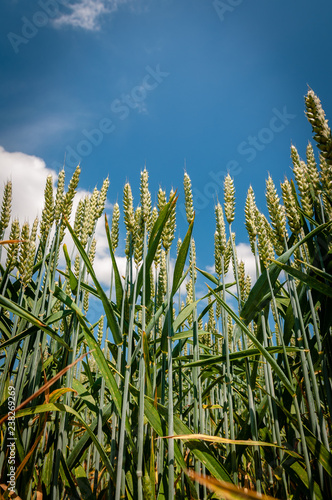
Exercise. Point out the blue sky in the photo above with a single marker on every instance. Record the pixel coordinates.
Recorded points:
(116, 84)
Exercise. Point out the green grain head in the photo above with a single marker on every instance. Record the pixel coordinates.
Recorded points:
(102, 197)
(312, 171)
(292, 213)
(6, 208)
(302, 180)
(145, 198)
(188, 197)
(277, 216)
(319, 123)
(250, 212)
(115, 227)
(265, 235)
(129, 216)
(169, 229)
(59, 197)
(139, 236)
(229, 199)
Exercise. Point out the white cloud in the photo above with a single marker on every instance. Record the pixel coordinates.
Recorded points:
(28, 175)
(86, 14)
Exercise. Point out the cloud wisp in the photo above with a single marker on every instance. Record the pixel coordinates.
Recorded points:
(86, 14)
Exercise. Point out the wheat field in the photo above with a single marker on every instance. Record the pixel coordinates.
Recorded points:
(169, 394)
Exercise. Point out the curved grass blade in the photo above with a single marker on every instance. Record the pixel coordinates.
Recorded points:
(226, 490)
(209, 276)
(305, 278)
(317, 271)
(239, 355)
(184, 314)
(187, 334)
(239, 442)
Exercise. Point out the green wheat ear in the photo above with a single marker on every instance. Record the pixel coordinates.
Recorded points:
(27, 251)
(93, 212)
(6, 208)
(192, 261)
(242, 278)
(188, 196)
(326, 181)
(129, 217)
(79, 217)
(103, 197)
(84, 233)
(312, 169)
(115, 227)
(48, 210)
(326, 175)
(100, 330)
(128, 210)
(301, 177)
(228, 255)
(139, 236)
(277, 216)
(292, 214)
(145, 197)
(229, 199)
(250, 212)
(162, 278)
(68, 199)
(220, 243)
(320, 128)
(265, 235)
(169, 231)
(220, 228)
(59, 197)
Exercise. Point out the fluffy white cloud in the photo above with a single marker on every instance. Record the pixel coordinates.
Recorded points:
(86, 14)
(28, 175)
